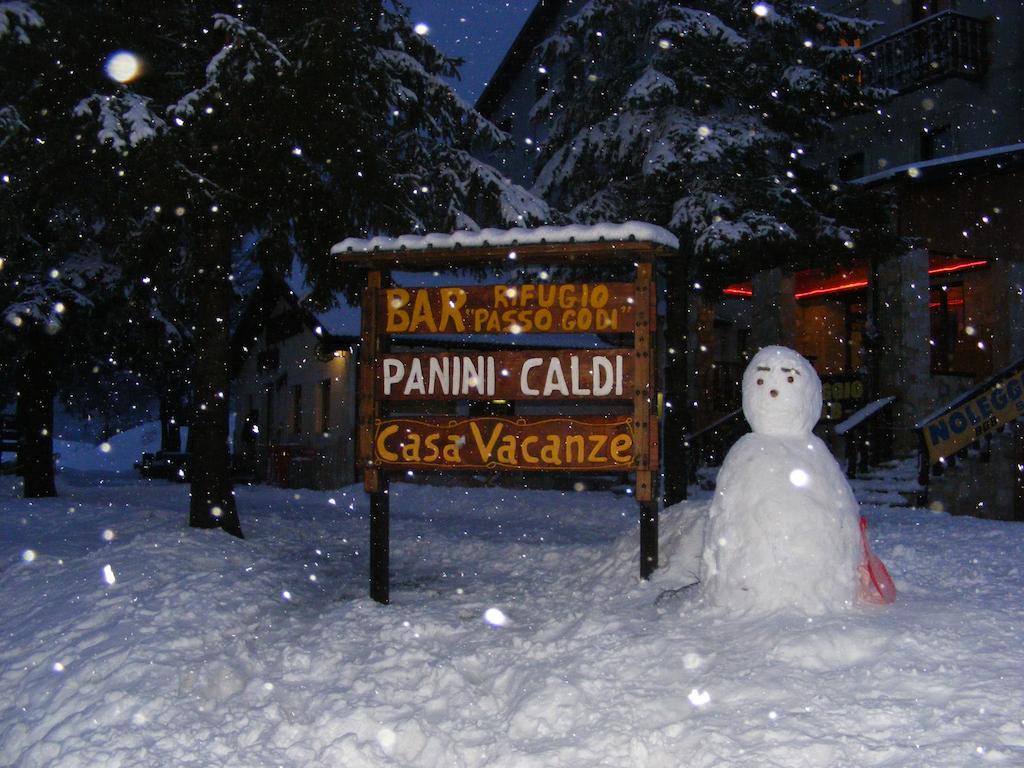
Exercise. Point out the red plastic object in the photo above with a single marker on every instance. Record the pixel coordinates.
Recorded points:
(876, 585)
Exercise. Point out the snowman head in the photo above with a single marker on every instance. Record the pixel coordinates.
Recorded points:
(781, 393)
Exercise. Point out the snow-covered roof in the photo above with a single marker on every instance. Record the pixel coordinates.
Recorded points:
(635, 231)
(915, 170)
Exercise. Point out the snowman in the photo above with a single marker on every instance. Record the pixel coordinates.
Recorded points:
(783, 528)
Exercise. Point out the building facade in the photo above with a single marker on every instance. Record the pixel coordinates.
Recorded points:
(947, 147)
(294, 391)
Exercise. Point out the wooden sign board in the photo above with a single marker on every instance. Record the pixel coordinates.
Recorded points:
(605, 374)
(543, 308)
(526, 444)
(607, 440)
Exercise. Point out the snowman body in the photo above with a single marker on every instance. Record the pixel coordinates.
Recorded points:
(783, 528)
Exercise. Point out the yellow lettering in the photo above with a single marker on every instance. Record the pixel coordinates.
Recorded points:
(398, 319)
(607, 319)
(574, 445)
(622, 449)
(480, 318)
(421, 312)
(411, 448)
(452, 302)
(382, 451)
(433, 452)
(507, 451)
(453, 451)
(500, 296)
(596, 446)
(485, 448)
(528, 457)
(552, 452)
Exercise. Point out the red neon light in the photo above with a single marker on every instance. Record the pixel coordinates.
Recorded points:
(957, 267)
(832, 289)
(738, 290)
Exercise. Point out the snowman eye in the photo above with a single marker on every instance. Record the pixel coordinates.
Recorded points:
(760, 382)
(789, 379)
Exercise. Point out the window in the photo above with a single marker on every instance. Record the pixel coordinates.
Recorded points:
(297, 409)
(325, 406)
(946, 310)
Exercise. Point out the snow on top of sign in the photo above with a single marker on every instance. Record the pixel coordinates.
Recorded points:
(579, 233)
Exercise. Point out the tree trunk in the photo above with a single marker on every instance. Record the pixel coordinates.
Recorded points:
(212, 495)
(35, 417)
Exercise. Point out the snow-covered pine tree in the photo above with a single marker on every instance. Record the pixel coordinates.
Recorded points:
(703, 117)
(290, 126)
(55, 239)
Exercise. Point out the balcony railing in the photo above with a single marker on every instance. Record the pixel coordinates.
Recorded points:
(948, 44)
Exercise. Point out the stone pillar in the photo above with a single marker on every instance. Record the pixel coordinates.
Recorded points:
(1007, 281)
(903, 330)
(774, 309)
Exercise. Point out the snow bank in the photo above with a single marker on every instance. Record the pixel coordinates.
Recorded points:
(519, 636)
(118, 454)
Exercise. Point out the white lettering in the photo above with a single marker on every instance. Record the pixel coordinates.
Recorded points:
(473, 375)
(574, 377)
(439, 370)
(524, 384)
(415, 381)
(394, 370)
(603, 380)
(555, 379)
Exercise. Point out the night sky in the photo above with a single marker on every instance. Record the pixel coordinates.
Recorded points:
(479, 31)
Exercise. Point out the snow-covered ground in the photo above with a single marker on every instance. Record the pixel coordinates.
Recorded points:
(519, 635)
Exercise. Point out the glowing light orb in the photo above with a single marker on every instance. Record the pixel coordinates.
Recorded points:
(123, 66)
(106, 447)
(495, 617)
(421, 29)
(799, 478)
(762, 9)
(108, 575)
(28, 555)
(699, 698)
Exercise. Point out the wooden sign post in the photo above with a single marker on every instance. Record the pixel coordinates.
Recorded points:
(606, 439)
